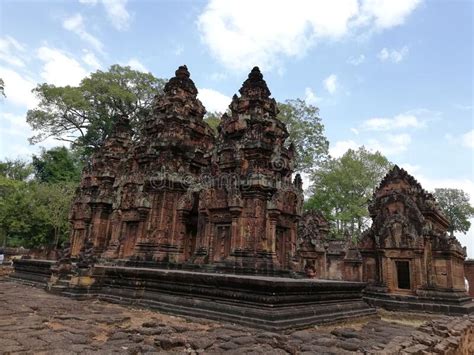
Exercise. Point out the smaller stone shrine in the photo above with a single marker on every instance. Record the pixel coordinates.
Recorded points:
(409, 260)
(323, 257)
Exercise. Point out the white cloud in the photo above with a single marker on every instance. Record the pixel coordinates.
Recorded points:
(14, 132)
(9, 51)
(331, 84)
(404, 120)
(18, 88)
(392, 144)
(468, 139)
(76, 25)
(15, 124)
(463, 107)
(397, 143)
(310, 97)
(90, 59)
(116, 10)
(410, 168)
(60, 69)
(395, 56)
(341, 147)
(218, 76)
(240, 37)
(387, 143)
(357, 60)
(213, 100)
(383, 54)
(117, 13)
(178, 50)
(387, 13)
(134, 63)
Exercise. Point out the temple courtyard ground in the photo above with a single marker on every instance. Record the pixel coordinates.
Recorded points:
(33, 321)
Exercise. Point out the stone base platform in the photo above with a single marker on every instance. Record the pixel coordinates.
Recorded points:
(263, 302)
(268, 303)
(32, 271)
(430, 301)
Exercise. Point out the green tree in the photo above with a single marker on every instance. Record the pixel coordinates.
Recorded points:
(57, 198)
(306, 133)
(34, 214)
(342, 188)
(83, 115)
(213, 119)
(58, 164)
(15, 169)
(456, 207)
(19, 213)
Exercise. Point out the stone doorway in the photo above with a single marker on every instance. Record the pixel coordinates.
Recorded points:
(403, 274)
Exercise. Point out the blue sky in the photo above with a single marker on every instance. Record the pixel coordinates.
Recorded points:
(395, 76)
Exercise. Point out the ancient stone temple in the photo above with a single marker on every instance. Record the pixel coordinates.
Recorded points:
(176, 197)
(176, 219)
(409, 260)
(249, 211)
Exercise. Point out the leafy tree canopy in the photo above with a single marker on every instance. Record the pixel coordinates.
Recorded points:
(16, 169)
(34, 214)
(83, 115)
(306, 133)
(342, 188)
(456, 207)
(213, 119)
(57, 165)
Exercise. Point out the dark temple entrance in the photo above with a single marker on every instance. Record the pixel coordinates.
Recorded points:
(403, 274)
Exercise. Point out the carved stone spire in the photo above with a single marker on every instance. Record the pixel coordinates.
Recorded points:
(181, 81)
(397, 173)
(179, 99)
(255, 86)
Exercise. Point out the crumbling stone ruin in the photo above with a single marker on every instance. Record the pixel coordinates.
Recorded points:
(408, 252)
